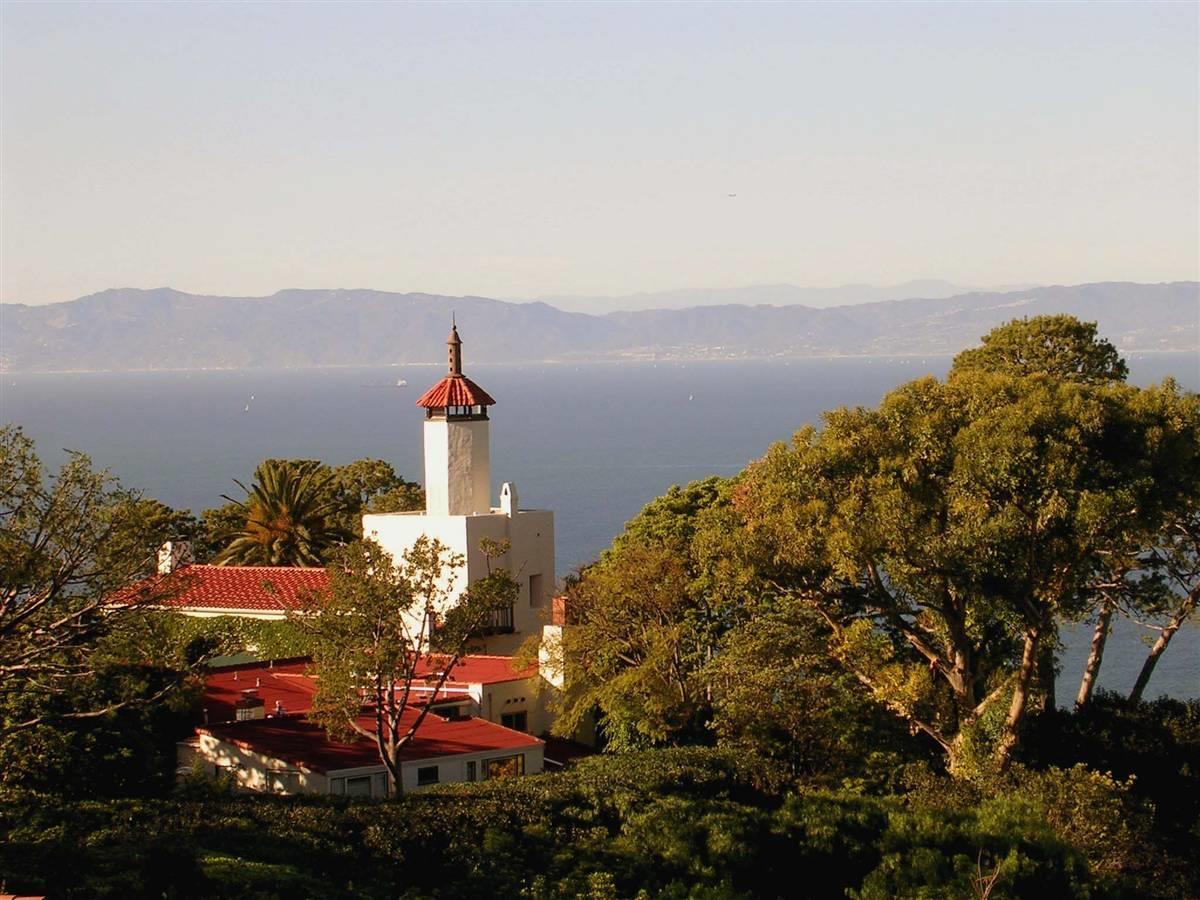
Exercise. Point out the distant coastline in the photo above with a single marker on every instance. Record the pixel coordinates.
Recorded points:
(518, 363)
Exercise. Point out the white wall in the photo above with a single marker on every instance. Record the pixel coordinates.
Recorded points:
(254, 771)
(530, 532)
(454, 768)
(457, 467)
(529, 696)
(531, 537)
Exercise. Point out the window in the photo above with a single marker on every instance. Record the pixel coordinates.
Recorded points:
(472, 771)
(518, 721)
(358, 787)
(506, 766)
(427, 775)
(535, 591)
(337, 786)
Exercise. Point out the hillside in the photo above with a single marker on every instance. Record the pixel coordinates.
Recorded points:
(129, 329)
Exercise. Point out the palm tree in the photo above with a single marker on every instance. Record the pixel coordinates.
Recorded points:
(289, 518)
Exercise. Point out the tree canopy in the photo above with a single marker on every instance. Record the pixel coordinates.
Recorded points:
(650, 614)
(379, 622)
(67, 542)
(298, 511)
(942, 534)
(1060, 347)
(288, 518)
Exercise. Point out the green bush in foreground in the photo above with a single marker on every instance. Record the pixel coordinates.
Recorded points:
(675, 823)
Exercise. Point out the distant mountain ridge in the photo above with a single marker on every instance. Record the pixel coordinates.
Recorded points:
(770, 294)
(132, 329)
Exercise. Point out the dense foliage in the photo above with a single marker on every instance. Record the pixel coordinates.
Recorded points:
(298, 511)
(650, 614)
(680, 823)
(1057, 346)
(291, 505)
(287, 518)
(91, 696)
(211, 637)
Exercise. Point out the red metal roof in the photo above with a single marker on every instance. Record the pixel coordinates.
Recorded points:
(294, 739)
(300, 742)
(254, 588)
(285, 682)
(292, 682)
(479, 669)
(455, 390)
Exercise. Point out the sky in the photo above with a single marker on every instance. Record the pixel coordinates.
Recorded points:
(522, 150)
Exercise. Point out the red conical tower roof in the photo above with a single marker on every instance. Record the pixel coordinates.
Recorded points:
(456, 389)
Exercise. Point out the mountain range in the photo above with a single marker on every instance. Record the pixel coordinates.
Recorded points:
(133, 329)
(759, 294)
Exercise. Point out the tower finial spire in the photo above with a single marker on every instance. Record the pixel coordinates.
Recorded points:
(454, 342)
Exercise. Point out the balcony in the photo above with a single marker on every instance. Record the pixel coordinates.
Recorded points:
(501, 622)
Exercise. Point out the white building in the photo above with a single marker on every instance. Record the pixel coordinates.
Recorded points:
(459, 511)
(256, 730)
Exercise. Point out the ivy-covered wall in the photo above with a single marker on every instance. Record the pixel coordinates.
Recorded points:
(223, 636)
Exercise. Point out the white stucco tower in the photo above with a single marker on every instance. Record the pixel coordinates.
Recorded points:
(458, 476)
(458, 506)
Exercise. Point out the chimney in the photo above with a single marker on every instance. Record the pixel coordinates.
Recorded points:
(250, 706)
(560, 611)
(508, 499)
(172, 555)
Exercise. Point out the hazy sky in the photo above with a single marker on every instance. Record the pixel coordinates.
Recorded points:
(520, 150)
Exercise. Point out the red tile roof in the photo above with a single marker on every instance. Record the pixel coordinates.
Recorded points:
(455, 390)
(300, 742)
(253, 588)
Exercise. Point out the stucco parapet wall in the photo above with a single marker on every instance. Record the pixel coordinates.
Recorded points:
(494, 511)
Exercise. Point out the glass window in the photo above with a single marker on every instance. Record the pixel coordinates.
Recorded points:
(427, 775)
(472, 770)
(506, 766)
(337, 786)
(358, 787)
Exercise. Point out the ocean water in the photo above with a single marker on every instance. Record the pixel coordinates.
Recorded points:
(594, 442)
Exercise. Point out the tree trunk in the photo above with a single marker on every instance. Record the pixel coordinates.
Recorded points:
(1164, 638)
(1010, 736)
(395, 785)
(1096, 655)
(1047, 678)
